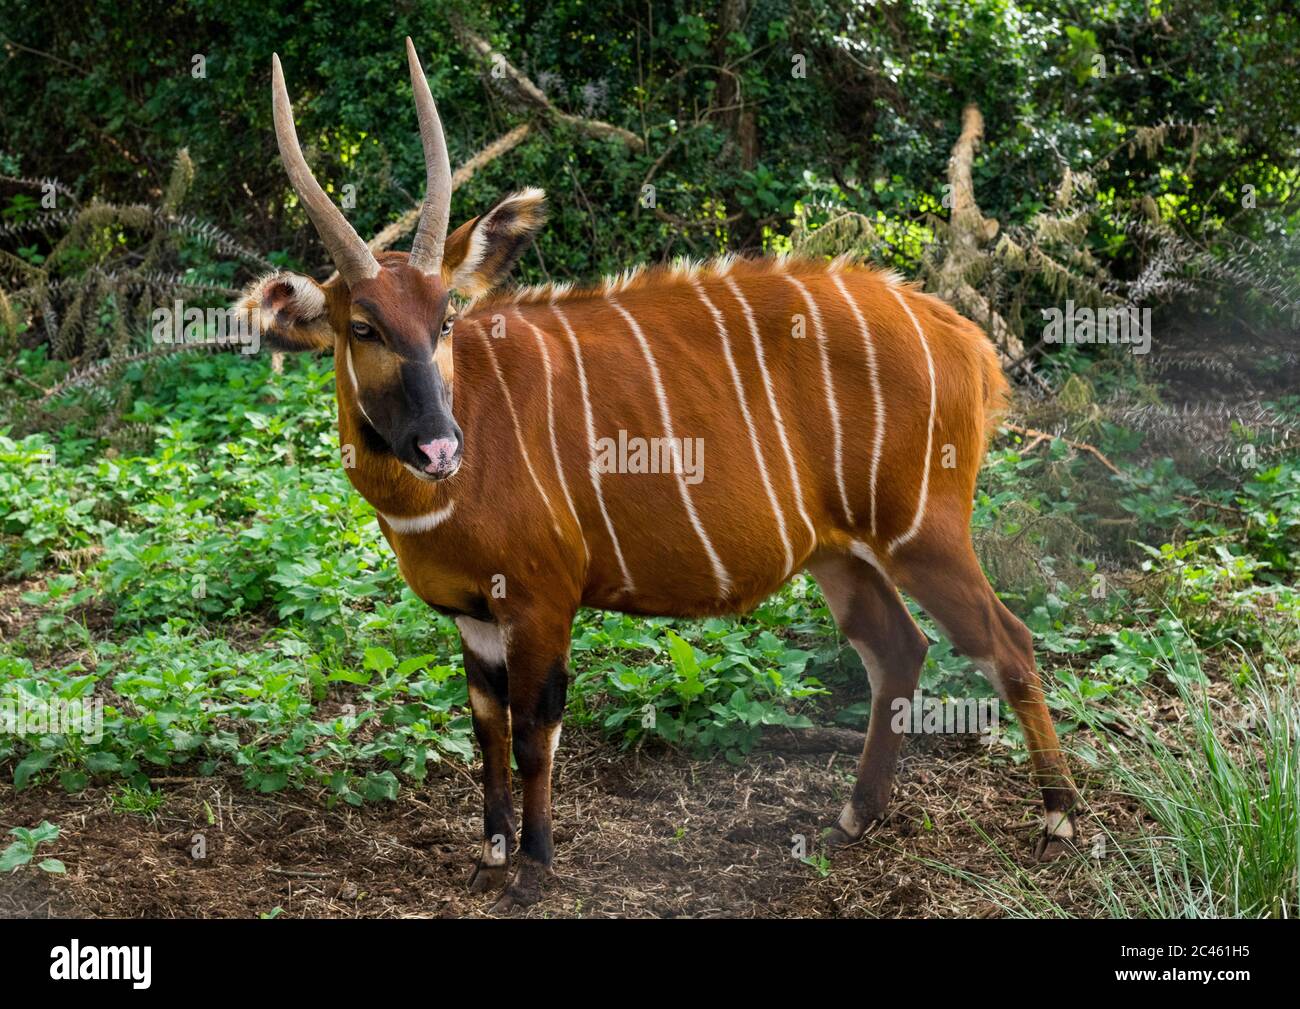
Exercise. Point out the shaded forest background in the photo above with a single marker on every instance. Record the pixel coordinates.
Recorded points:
(1133, 152)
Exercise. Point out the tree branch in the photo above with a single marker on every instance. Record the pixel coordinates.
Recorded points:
(1079, 446)
(527, 94)
(968, 231)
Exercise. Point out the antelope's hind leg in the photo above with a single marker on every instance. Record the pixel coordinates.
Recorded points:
(869, 612)
(944, 576)
(485, 671)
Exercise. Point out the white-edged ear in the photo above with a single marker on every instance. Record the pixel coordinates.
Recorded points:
(292, 311)
(481, 252)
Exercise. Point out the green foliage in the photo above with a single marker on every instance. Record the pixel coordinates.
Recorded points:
(661, 685)
(137, 801)
(1187, 110)
(22, 851)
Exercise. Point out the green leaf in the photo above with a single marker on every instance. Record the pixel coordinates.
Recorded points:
(349, 676)
(380, 659)
(30, 765)
(380, 786)
(101, 762)
(53, 865)
(15, 855)
(408, 666)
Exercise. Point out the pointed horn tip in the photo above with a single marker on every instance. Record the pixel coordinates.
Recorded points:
(278, 87)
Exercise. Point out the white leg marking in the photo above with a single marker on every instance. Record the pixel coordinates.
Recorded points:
(1058, 824)
(929, 435)
(591, 448)
(419, 523)
(555, 740)
(486, 707)
(878, 436)
(771, 403)
(487, 641)
(550, 425)
(849, 823)
(491, 855)
(519, 436)
(719, 572)
(721, 325)
(832, 405)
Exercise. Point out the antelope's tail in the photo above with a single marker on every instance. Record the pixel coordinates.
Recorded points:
(997, 390)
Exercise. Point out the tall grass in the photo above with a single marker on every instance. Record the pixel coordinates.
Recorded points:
(1222, 789)
(1219, 796)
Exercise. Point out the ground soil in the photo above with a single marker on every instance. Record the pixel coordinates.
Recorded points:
(650, 834)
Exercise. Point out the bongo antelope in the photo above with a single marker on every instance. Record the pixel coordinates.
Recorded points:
(844, 414)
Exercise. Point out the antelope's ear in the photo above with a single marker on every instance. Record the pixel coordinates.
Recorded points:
(293, 312)
(480, 253)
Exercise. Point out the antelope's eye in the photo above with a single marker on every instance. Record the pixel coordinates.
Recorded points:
(363, 331)
(446, 325)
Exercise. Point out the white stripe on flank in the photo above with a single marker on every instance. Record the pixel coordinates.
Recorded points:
(721, 325)
(519, 434)
(591, 447)
(771, 403)
(929, 435)
(878, 440)
(419, 523)
(837, 430)
(719, 572)
(550, 425)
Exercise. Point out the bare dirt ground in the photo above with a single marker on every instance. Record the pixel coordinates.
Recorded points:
(648, 834)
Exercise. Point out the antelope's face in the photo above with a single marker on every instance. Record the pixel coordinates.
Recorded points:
(398, 367)
(390, 319)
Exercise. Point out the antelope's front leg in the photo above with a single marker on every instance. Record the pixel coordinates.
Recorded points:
(537, 658)
(485, 671)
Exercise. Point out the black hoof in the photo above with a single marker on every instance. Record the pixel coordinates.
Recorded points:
(488, 878)
(524, 890)
(1050, 847)
(836, 836)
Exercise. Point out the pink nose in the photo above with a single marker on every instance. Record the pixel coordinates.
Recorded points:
(441, 451)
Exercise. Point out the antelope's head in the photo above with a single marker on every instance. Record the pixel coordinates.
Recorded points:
(389, 318)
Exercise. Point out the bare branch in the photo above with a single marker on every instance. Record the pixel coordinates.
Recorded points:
(525, 93)
(504, 143)
(967, 231)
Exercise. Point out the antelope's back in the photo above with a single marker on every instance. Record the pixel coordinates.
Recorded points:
(808, 406)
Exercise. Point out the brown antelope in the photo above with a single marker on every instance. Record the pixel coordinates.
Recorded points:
(850, 453)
